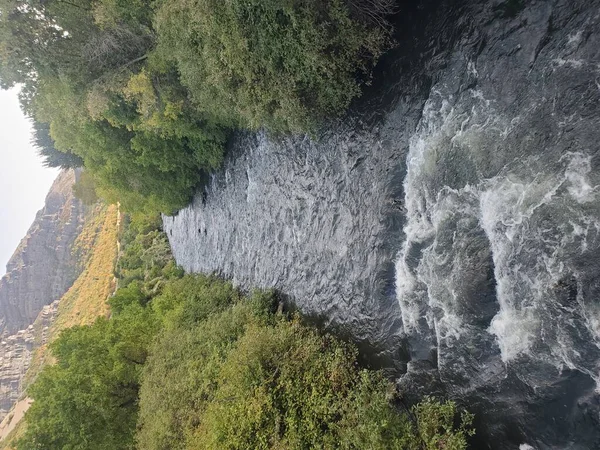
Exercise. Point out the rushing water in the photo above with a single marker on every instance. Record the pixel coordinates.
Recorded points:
(452, 224)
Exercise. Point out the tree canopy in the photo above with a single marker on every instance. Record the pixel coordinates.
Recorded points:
(144, 94)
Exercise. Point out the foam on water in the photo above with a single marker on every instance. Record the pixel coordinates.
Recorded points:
(424, 295)
(524, 221)
(537, 215)
(526, 447)
(577, 175)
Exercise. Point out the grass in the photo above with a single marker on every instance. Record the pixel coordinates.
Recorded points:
(86, 300)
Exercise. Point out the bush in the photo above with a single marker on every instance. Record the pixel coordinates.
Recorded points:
(436, 425)
(238, 377)
(85, 189)
(200, 366)
(145, 256)
(289, 387)
(285, 65)
(180, 378)
(88, 400)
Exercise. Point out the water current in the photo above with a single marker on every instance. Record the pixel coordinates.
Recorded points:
(450, 224)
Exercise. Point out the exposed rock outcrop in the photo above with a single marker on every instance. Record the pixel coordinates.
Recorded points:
(16, 352)
(43, 266)
(41, 270)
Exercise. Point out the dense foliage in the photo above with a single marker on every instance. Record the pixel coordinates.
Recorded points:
(281, 385)
(50, 156)
(145, 94)
(88, 399)
(280, 64)
(189, 362)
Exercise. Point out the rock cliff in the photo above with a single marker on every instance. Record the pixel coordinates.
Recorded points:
(43, 266)
(41, 270)
(16, 352)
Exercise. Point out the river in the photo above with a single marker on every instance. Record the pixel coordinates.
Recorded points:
(450, 223)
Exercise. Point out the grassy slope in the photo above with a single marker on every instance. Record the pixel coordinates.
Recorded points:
(86, 299)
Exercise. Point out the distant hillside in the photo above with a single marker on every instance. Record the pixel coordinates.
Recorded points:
(96, 249)
(68, 253)
(41, 270)
(43, 267)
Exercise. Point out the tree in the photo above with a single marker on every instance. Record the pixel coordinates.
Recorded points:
(284, 65)
(41, 39)
(46, 149)
(85, 189)
(157, 161)
(88, 400)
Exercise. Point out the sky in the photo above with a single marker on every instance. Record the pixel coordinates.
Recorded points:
(24, 182)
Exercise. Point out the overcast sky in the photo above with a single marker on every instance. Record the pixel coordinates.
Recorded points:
(24, 182)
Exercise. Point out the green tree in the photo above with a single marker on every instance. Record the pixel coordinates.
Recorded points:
(46, 149)
(88, 400)
(157, 169)
(85, 189)
(285, 65)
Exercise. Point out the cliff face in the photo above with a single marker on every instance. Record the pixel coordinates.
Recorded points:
(16, 352)
(43, 266)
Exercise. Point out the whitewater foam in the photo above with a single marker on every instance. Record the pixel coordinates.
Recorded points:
(533, 214)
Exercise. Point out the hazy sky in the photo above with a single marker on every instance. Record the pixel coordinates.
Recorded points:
(24, 182)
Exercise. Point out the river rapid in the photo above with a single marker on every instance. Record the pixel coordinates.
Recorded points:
(450, 224)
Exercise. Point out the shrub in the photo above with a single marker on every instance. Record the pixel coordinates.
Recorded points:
(145, 256)
(436, 425)
(242, 378)
(289, 387)
(88, 400)
(285, 65)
